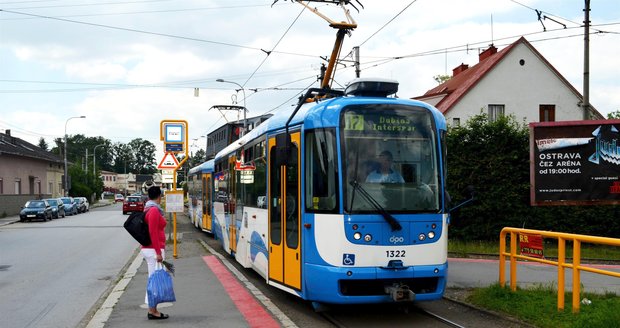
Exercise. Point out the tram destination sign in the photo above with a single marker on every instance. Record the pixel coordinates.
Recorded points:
(575, 163)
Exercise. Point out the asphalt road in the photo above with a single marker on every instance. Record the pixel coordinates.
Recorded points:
(53, 273)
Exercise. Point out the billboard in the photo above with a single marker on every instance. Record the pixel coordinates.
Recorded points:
(575, 163)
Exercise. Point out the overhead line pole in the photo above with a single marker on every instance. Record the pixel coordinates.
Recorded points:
(586, 62)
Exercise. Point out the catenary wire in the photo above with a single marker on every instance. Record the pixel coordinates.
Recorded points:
(274, 47)
(388, 22)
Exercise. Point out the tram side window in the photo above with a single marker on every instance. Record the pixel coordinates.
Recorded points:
(255, 183)
(321, 171)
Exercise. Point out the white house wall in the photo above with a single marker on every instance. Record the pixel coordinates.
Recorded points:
(521, 89)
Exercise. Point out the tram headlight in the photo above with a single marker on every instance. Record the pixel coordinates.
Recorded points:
(421, 237)
(431, 234)
(357, 236)
(367, 238)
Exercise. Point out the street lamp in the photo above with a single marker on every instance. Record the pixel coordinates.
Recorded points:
(66, 173)
(95, 157)
(244, 108)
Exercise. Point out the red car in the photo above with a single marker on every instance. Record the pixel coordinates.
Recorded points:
(133, 204)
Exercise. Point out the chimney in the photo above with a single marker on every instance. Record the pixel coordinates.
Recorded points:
(7, 132)
(487, 53)
(459, 69)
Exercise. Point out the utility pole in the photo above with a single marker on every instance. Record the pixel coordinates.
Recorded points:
(356, 58)
(586, 62)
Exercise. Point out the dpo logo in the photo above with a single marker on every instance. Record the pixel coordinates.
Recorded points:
(396, 239)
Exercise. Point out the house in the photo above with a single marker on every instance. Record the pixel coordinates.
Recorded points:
(517, 80)
(126, 183)
(109, 180)
(27, 172)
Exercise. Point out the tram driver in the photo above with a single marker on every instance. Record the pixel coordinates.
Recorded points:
(384, 173)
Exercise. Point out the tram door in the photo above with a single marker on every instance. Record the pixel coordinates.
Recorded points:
(206, 202)
(284, 216)
(232, 207)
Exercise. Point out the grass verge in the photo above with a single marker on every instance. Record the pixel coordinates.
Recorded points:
(538, 306)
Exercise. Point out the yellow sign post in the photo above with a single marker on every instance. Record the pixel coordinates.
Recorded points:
(174, 135)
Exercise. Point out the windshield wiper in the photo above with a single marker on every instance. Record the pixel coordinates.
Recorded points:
(387, 216)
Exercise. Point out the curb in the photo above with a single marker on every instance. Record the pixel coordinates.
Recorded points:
(103, 314)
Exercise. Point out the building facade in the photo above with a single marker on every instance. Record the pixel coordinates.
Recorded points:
(27, 172)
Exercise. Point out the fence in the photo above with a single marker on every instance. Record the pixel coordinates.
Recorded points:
(576, 265)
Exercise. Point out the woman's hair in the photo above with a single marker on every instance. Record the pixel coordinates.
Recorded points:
(154, 192)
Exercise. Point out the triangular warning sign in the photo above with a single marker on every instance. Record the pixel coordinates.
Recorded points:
(168, 162)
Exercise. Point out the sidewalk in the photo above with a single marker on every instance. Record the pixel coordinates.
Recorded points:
(207, 293)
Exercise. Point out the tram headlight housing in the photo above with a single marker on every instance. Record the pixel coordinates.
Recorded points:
(367, 238)
(421, 237)
(431, 234)
(357, 236)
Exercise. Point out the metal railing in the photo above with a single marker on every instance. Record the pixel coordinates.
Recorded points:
(576, 265)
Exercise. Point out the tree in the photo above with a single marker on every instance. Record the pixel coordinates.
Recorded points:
(123, 158)
(614, 115)
(198, 158)
(441, 78)
(144, 156)
(43, 144)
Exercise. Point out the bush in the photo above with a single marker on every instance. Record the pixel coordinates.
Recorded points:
(494, 158)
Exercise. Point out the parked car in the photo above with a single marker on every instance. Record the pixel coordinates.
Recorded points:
(86, 203)
(70, 205)
(133, 204)
(81, 204)
(36, 209)
(118, 198)
(58, 208)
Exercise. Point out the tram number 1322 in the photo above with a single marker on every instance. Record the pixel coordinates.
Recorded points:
(396, 253)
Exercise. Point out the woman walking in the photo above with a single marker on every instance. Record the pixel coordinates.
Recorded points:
(154, 253)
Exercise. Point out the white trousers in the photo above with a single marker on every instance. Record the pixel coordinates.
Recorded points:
(151, 260)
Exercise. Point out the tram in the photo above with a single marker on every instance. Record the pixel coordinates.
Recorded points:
(339, 200)
(199, 188)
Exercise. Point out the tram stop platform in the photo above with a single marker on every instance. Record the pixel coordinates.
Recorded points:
(207, 291)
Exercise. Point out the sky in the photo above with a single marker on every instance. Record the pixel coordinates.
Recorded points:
(128, 64)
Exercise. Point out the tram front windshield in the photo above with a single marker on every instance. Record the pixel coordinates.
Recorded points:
(389, 159)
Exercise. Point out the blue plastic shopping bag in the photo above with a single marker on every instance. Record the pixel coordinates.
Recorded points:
(159, 287)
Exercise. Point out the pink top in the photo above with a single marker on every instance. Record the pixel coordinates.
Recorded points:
(157, 225)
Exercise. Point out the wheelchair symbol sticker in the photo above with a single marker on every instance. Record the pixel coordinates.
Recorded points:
(348, 259)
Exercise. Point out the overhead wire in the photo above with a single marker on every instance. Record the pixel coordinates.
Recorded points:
(388, 22)
(137, 12)
(274, 47)
(88, 4)
(153, 33)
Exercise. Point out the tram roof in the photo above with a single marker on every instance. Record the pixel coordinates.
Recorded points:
(207, 166)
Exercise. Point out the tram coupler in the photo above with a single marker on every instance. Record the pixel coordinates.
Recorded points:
(400, 293)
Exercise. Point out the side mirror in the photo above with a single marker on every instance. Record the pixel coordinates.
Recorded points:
(469, 193)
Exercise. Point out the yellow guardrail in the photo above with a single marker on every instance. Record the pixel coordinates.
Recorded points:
(560, 263)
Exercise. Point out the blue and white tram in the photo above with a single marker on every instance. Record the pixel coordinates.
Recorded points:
(341, 201)
(199, 188)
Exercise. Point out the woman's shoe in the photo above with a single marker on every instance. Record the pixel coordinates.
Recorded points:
(160, 317)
